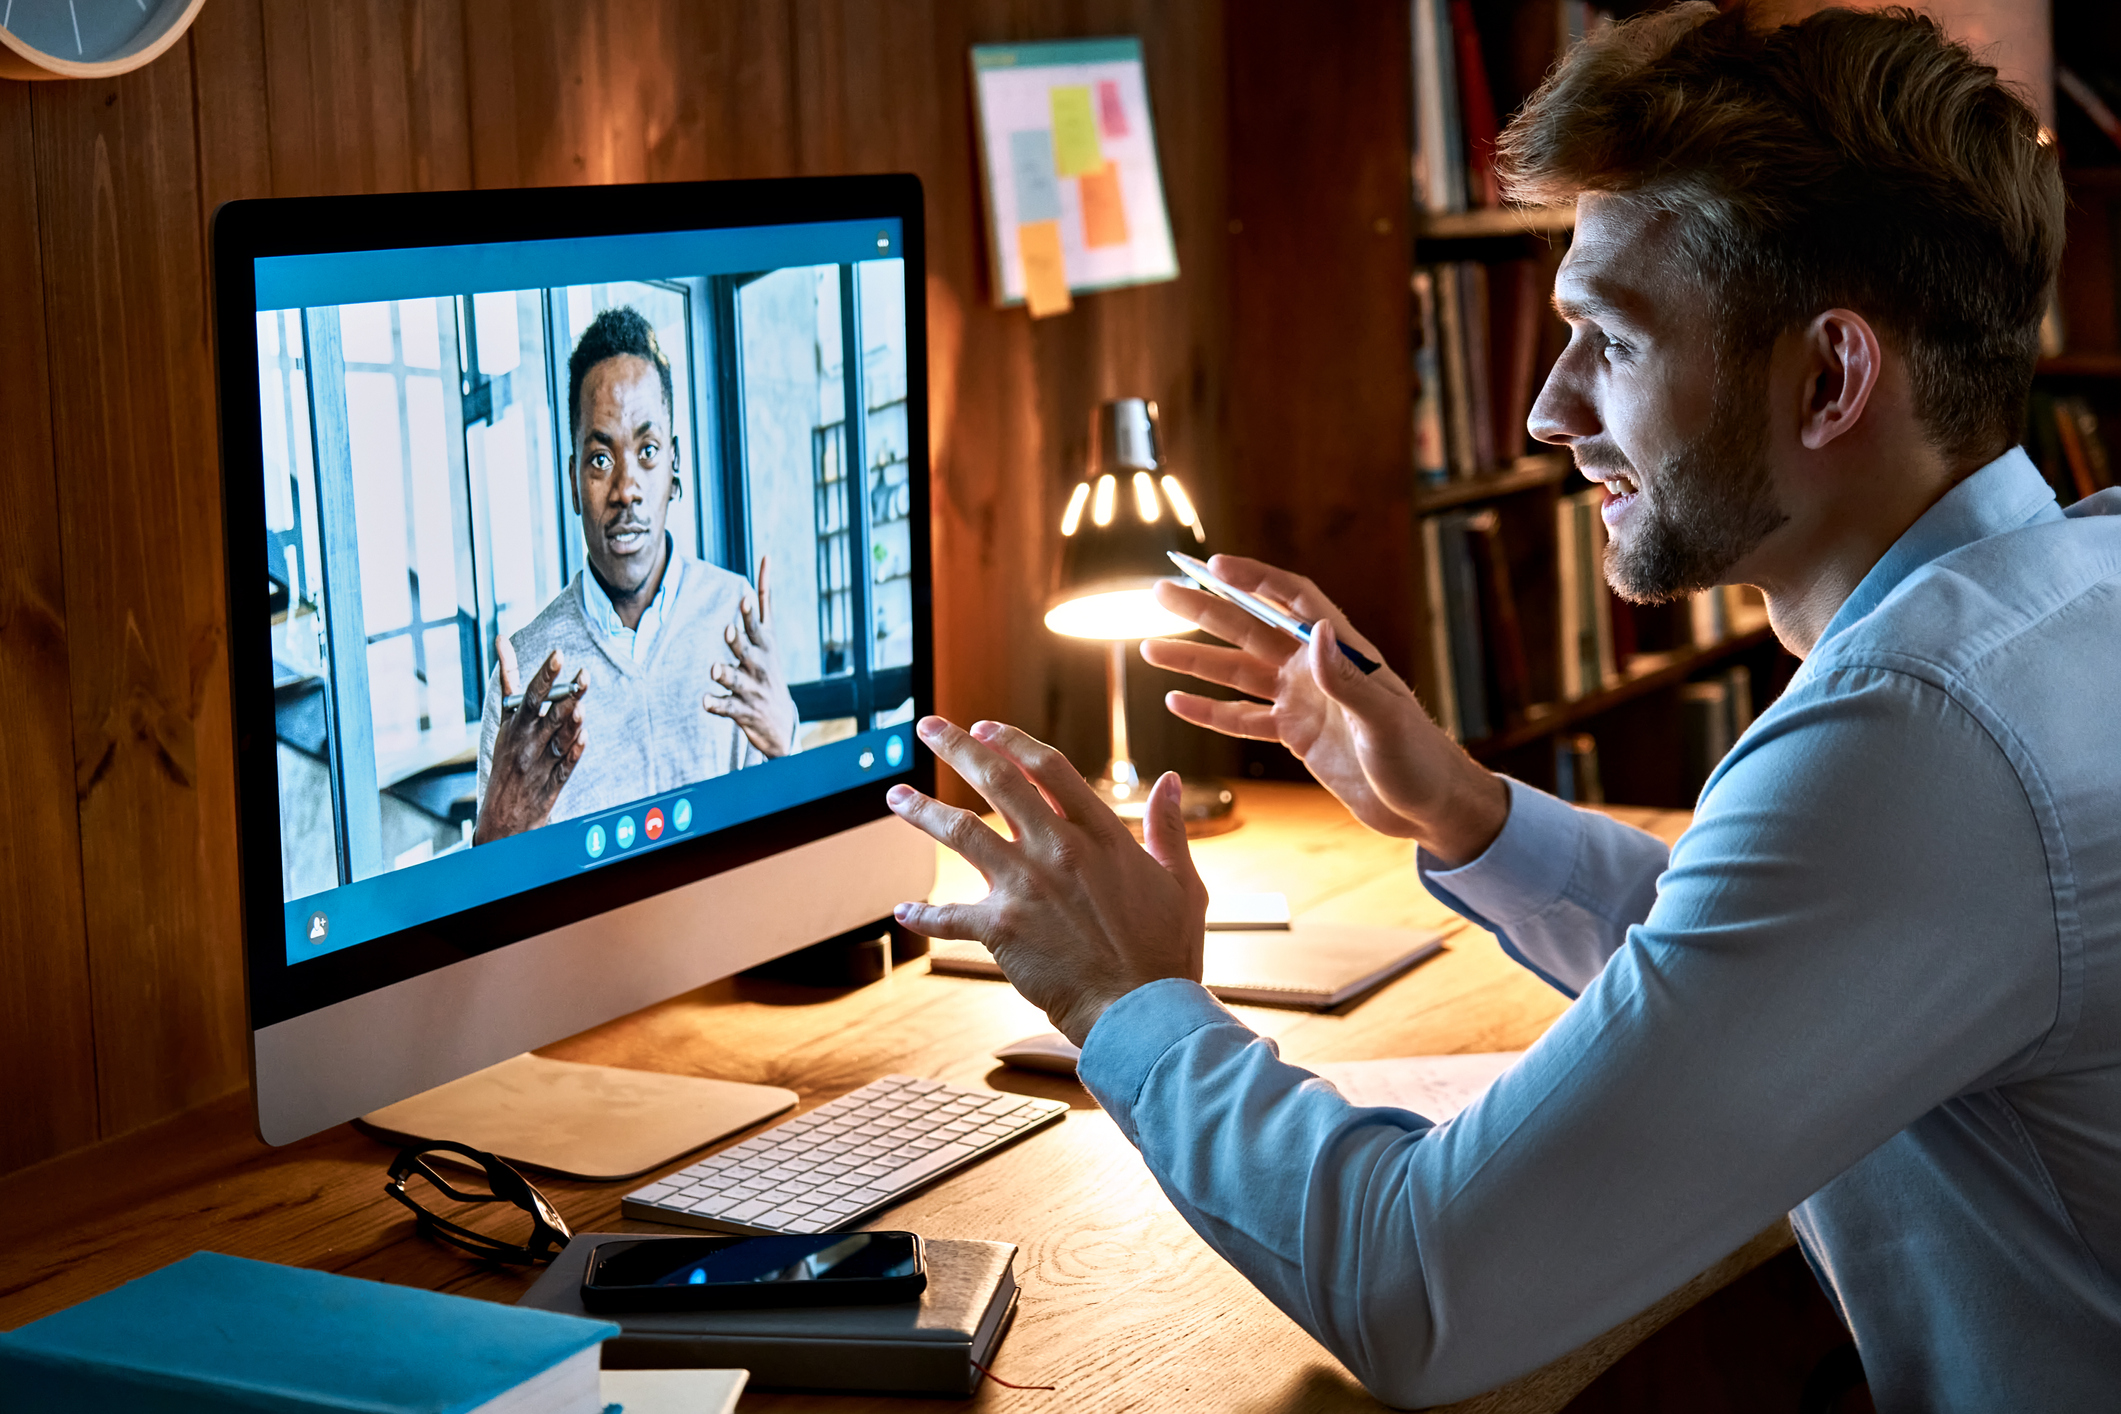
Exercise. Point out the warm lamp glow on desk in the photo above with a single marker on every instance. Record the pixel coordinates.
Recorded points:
(1121, 521)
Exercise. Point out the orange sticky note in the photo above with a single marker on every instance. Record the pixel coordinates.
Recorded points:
(1038, 243)
(1104, 213)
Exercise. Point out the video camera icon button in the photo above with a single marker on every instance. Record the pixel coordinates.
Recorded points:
(623, 832)
(652, 826)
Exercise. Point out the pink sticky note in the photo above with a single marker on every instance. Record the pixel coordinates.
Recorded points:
(1111, 113)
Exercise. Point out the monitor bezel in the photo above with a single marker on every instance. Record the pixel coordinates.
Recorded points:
(243, 232)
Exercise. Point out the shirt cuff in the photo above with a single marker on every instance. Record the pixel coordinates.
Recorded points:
(1523, 872)
(1135, 1033)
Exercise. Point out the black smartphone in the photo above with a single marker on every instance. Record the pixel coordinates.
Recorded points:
(701, 1273)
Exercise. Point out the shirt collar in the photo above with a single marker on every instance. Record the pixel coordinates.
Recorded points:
(2005, 494)
(604, 617)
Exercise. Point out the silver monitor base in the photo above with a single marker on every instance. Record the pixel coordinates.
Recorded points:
(592, 1122)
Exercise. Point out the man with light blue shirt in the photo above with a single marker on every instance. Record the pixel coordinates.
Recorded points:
(681, 652)
(1877, 985)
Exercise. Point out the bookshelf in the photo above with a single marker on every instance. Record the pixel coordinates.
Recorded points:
(1528, 473)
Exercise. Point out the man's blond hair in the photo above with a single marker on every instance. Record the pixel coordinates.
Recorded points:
(1854, 159)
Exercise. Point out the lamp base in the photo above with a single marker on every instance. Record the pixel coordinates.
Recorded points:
(1209, 809)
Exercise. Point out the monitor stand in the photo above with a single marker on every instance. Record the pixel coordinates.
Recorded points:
(594, 1122)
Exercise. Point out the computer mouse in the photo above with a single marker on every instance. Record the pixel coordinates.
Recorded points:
(1049, 1051)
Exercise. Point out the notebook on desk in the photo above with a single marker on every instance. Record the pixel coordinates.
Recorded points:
(1308, 966)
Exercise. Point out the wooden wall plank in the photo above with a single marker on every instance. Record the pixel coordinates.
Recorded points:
(366, 96)
(47, 1055)
(1321, 438)
(132, 400)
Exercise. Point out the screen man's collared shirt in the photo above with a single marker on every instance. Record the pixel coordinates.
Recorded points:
(1877, 986)
(633, 644)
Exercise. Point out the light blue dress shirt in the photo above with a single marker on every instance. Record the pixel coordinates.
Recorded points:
(1877, 986)
(632, 644)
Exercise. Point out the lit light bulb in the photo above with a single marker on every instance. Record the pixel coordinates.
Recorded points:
(1182, 507)
(1145, 497)
(1073, 516)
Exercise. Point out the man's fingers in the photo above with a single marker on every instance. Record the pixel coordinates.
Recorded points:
(541, 682)
(1212, 662)
(1057, 780)
(994, 776)
(947, 920)
(1164, 835)
(765, 595)
(1227, 622)
(1369, 696)
(1246, 719)
(1292, 591)
(961, 830)
(511, 676)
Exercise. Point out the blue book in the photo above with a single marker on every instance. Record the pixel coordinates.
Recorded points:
(223, 1333)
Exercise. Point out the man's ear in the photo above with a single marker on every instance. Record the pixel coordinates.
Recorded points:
(574, 487)
(1844, 360)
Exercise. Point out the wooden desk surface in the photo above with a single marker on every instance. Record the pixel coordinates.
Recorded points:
(1123, 1307)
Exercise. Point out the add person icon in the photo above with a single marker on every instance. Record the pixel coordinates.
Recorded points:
(594, 841)
(319, 925)
(623, 831)
(653, 825)
(681, 815)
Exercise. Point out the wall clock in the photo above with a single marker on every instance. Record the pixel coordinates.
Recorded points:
(87, 39)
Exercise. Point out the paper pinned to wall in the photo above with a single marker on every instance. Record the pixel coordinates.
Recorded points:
(1067, 143)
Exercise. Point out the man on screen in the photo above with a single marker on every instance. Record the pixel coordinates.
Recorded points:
(688, 684)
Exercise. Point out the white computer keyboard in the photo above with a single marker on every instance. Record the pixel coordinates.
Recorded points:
(833, 1167)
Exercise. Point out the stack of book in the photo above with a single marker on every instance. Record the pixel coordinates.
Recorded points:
(1715, 711)
(1466, 78)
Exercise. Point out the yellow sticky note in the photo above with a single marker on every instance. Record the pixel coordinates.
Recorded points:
(1104, 213)
(1075, 148)
(1045, 277)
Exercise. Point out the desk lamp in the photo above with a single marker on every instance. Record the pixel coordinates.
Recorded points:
(1120, 522)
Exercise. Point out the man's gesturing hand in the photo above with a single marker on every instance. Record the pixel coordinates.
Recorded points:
(535, 750)
(754, 694)
(1365, 737)
(1077, 914)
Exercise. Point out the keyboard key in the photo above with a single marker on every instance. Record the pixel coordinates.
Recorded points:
(745, 1212)
(779, 1217)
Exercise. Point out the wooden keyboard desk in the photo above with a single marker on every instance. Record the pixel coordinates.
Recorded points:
(1123, 1307)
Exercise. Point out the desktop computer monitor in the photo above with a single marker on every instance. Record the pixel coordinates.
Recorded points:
(676, 434)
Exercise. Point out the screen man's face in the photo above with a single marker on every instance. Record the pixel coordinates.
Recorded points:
(624, 469)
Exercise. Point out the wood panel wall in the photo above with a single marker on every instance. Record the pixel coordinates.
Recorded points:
(120, 977)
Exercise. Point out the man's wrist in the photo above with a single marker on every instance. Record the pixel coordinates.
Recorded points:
(1470, 818)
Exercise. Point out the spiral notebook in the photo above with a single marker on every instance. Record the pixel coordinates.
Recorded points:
(1307, 966)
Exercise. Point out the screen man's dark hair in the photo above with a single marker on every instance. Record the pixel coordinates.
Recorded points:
(613, 333)
(1855, 160)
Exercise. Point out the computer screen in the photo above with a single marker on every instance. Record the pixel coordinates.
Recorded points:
(595, 556)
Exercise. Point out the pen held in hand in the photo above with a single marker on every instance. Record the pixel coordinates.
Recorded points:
(1260, 609)
(559, 693)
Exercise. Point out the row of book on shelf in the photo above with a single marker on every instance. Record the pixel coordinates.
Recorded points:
(1486, 334)
(1467, 79)
(2064, 439)
(1481, 641)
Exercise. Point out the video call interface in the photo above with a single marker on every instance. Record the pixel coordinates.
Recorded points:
(680, 461)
